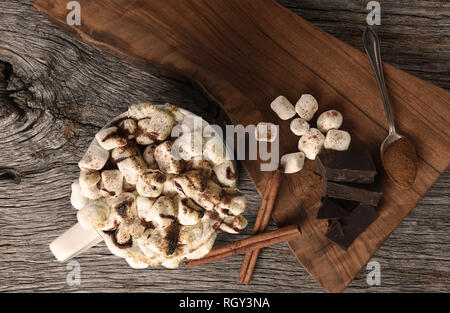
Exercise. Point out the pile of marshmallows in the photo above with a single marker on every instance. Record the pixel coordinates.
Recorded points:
(312, 140)
(149, 206)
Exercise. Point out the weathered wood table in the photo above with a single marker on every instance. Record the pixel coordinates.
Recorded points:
(56, 92)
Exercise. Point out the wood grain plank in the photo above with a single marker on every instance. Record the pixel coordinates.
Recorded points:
(58, 75)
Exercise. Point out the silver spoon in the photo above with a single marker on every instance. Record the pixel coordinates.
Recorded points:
(372, 47)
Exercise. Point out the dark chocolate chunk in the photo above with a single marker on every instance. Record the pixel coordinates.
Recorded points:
(345, 231)
(352, 166)
(330, 209)
(363, 194)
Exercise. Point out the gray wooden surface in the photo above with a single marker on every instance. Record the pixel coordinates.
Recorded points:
(56, 92)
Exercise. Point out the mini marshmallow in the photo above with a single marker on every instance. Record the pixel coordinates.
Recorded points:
(149, 156)
(95, 157)
(266, 132)
(124, 207)
(166, 160)
(145, 136)
(214, 150)
(170, 189)
(203, 249)
(292, 162)
(77, 198)
(158, 127)
(189, 213)
(306, 106)
(191, 183)
(232, 203)
(202, 165)
(299, 126)
(122, 153)
(331, 119)
(88, 183)
(189, 145)
(282, 107)
(109, 138)
(141, 111)
(143, 205)
(172, 262)
(209, 197)
(112, 182)
(150, 183)
(129, 127)
(131, 168)
(338, 140)
(225, 173)
(95, 215)
(233, 224)
(163, 212)
(177, 115)
(311, 143)
(194, 122)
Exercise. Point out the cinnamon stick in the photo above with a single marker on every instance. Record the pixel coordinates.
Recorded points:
(242, 246)
(262, 220)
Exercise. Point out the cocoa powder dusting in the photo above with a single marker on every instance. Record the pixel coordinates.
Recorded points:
(400, 162)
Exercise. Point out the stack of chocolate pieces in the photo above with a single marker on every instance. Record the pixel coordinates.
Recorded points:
(351, 196)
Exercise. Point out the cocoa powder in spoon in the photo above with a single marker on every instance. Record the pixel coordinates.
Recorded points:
(400, 162)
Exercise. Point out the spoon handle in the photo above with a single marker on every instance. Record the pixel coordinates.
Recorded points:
(372, 47)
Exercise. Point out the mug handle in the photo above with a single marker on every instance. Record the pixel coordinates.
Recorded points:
(74, 241)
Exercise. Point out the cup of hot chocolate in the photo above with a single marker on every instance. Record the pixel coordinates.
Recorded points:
(155, 189)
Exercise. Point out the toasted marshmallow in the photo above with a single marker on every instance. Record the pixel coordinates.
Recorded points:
(311, 143)
(124, 207)
(299, 126)
(143, 205)
(151, 183)
(189, 213)
(109, 138)
(145, 136)
(283, 107)
(306, 106)
(170, 189)
(112, 182)
(165, 159)
(128, 127)
(331, 119)
(292, 162)
(141, 111)
(189, 145)
(172, 262)
(164, 240)
(77, 198)
(266, 132)
(337, 140)
(210, 196)
(214, 150)
(94, 158)
(122, 153)
(131, 168)
(225, 173)
(231, 203)
(177, 115)
(95, 215)
(191, 183)
(194, 123)
(149, 156)
(203, 249)
(233, 224)
(157, 128)
(163, 211)
(202, 165)
(88, 183)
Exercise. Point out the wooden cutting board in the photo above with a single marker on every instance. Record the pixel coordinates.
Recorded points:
(242, 54)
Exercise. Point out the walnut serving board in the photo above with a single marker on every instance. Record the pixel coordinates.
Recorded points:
(242, 54)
